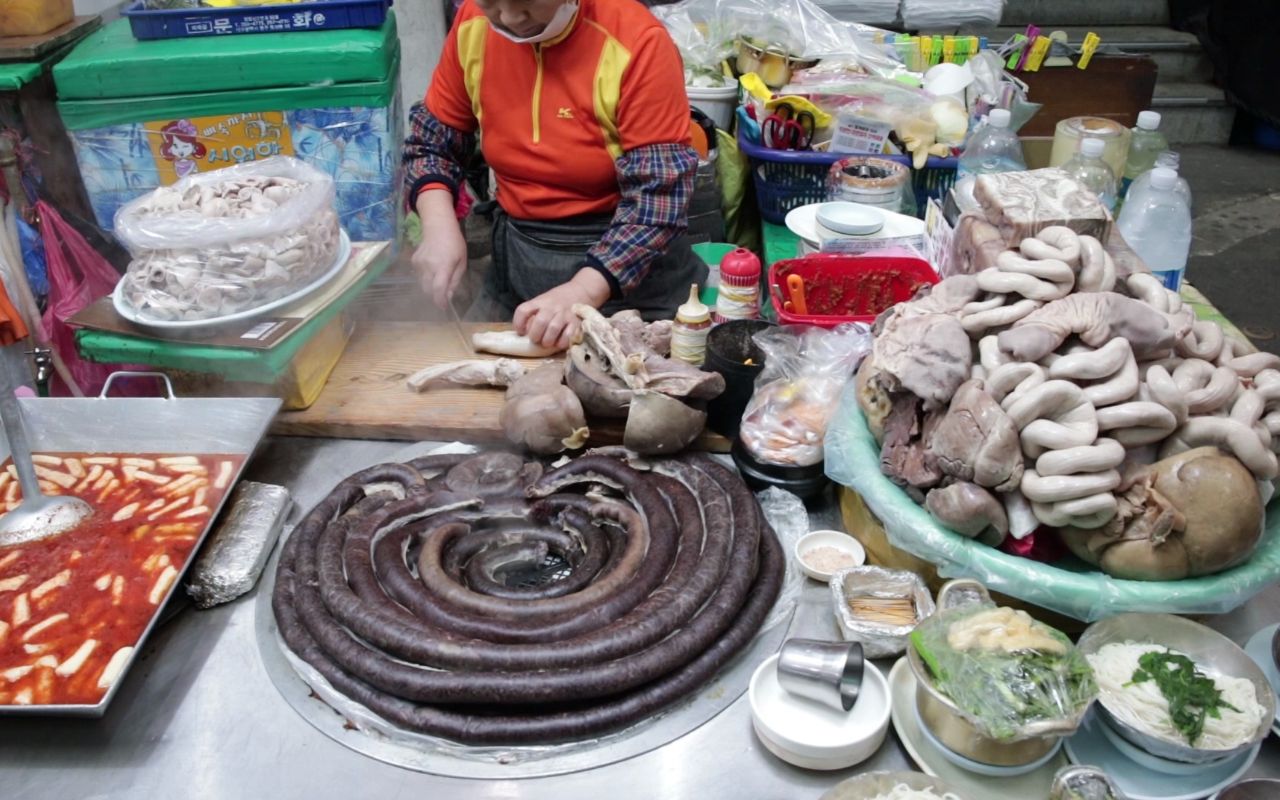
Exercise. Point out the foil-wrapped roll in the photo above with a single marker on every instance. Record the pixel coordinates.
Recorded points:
(879, 640)
(236, 552)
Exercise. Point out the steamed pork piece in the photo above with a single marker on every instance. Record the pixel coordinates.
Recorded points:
(470, 372)
(904, 456)
(976, 441)
(928, 355)
(543, 415)
(1097, 318)
(1021, 204)
(969, 510)
(1195, 514)
(509, 343)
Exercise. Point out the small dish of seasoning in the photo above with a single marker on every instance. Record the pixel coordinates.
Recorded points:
(824, 553)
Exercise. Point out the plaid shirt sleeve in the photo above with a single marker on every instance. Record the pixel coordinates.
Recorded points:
(656, 182)
(433, 154)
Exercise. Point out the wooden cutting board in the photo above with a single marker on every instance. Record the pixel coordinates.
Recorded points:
(366, 396)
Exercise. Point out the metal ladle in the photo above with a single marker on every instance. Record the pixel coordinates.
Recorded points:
(38, 516)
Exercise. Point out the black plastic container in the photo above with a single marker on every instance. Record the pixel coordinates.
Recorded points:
(729, 347)
(804, 482)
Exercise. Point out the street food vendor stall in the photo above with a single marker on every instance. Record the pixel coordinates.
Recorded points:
(977, 507)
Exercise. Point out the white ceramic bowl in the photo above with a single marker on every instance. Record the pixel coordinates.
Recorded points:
(837, 539)
(814, 736)
(851, 219)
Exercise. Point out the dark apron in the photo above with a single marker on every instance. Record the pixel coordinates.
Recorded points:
(533, 256)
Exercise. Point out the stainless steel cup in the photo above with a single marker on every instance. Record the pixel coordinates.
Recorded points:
(826, 672)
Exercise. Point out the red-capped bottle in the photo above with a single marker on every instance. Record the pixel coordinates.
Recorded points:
(739, 286)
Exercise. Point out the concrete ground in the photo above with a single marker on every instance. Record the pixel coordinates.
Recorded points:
(1235, 250)
(1235, 253)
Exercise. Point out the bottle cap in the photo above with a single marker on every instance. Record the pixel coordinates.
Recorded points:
(1163, 178)
(1169, 159)
(1093, 148)
(1148, 120)
(999, 118)
(693, 312)
(740, 263)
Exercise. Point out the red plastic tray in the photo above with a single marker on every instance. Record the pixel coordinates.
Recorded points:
(847, 288)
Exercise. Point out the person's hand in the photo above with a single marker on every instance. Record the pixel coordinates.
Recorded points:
(441, 259)
(548, 319)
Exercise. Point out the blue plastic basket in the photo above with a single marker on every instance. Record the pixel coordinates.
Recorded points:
(319, 15)
(787, 179)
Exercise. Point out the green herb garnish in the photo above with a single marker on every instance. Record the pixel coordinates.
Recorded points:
(1191, 694)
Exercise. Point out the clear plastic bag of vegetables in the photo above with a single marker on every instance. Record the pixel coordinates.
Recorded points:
(1009, 674)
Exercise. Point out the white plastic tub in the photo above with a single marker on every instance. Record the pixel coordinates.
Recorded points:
(717, 102)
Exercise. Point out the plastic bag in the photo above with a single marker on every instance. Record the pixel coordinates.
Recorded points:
(227, 241)
(78, 276)
(707, 32)
(1070, 587)
(805, 369)
(703, 43)
(33, 259)
(993, 87)
(1003, 669)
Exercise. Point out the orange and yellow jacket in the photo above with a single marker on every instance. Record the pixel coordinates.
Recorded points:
(595, 121)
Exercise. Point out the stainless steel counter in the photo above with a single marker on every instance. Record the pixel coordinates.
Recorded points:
(198, 717)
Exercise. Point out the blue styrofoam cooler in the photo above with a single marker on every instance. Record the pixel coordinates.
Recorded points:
(181, 23)
(144, 114)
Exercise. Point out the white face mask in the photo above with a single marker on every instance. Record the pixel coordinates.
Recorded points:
(558, 25)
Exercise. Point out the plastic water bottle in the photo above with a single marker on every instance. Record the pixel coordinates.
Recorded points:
(1156, 223)
(1088, 168)
(1169, 160)
(992, 148)
(1145, 145)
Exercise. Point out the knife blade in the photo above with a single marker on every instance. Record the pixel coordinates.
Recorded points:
(467, 346)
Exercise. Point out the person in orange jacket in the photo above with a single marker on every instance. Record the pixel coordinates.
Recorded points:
(580, 109)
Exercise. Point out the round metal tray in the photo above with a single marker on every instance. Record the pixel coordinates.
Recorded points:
(354, 726)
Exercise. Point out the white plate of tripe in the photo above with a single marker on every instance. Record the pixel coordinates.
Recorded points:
(193, 326)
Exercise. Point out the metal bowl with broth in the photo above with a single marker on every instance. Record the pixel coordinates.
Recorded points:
(952, 728)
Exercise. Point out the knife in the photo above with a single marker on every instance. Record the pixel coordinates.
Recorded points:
(467, 346)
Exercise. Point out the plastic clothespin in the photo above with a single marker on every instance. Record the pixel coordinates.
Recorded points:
(1015, 47)
(1036, 53)
(901, 43)
(949, 49)
(1031, 34)
(924, 47)
(1091, 41)
(936, 51)
(1059, 51)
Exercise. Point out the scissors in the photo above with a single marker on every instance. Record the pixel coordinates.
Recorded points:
(785, 129)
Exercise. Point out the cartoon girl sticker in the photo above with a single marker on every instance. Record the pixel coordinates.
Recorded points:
(180, 144)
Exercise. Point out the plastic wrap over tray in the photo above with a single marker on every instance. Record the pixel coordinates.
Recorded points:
(222, 242)
(878, 640)
(1070, 587)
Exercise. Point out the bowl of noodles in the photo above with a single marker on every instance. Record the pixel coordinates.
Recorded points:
(1176, 689)
(892, 786)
